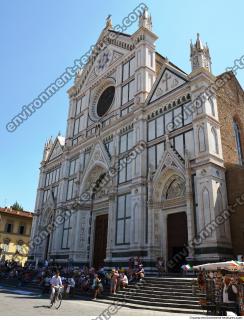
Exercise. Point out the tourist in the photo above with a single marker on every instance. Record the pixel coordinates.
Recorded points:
(140, 273)
(160, 266)
(201, 281)
(137, 262)
(219, 284)
(131, 263)
(85, 282)
(71, 286)
(230, 295)
(123, 280)
(114, 281)
(130, 273)
(46, 283)
(97, 286)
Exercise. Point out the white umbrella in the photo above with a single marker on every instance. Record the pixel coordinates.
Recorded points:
(227, 265)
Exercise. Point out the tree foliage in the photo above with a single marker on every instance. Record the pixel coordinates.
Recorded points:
(16, 206)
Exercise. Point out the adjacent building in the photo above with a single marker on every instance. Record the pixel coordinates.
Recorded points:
(142, 168)
(15, 230)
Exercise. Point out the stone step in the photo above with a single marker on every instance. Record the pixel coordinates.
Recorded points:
(170, 280)
(155, 308)
(163, 295)
(166, 281)
(171, 304)
(167, 291)
(149, 291)
(167, 285)
(174, 279)
(161, 299)
(172, 276)
(144, 302)
(159, 289)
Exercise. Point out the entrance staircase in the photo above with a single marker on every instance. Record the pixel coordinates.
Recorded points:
(160, 294)
(167, 294)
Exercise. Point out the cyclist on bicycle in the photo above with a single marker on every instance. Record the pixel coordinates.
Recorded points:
(56, 284)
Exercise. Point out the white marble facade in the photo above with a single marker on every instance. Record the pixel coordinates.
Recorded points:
(178, 169)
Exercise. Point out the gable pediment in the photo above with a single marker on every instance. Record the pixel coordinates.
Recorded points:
(50, 203)
(98, 157)
(110, 47)
(104, 60)
(57, 150)
(170, 160)
(168, 81)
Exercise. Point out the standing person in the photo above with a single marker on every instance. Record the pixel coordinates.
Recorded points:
(210, 291)
(201, 281)
(160, 266)
(219, 290)
(97, 286)
(102, 274)
(230, 294)
(114, 281)
(131, 263)
(56, 284)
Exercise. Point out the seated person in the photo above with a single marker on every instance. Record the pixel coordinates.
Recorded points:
(46, 283)
(140, 273)
(123, 280)
(71, 286)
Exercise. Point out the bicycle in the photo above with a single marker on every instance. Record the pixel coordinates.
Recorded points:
(57, 298)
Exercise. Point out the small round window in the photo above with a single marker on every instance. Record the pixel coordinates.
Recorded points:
(105, 101)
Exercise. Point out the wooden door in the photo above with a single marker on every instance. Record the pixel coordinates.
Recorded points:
(100, 242)
(177, 238)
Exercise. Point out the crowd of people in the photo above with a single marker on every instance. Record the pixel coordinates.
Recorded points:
(82, 279)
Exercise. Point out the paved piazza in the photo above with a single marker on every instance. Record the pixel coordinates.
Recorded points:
(17, 302)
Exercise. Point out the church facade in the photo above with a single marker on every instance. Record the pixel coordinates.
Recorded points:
(141, 169)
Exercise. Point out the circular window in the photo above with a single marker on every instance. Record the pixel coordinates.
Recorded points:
(105, 101)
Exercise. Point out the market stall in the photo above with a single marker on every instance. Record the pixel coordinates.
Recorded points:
(221, 286)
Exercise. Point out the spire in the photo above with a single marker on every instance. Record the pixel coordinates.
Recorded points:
(199, 44)
(47, 148)
(109, 24)
(145, 20)
(200, 57)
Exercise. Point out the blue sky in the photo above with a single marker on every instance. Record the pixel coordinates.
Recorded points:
(39, 39)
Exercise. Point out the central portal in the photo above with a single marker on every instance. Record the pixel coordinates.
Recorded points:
(177, 238)
(100, 243)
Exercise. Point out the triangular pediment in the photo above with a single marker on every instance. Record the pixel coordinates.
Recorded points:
(50, 203)
(170, 160)
(99, 157)
(57, 148)
(104, 60)
(110, 47)
(168, 80)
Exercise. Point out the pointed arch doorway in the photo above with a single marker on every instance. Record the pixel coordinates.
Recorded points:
(98, 182)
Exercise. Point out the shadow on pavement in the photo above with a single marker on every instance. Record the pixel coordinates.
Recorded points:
(43, 306)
